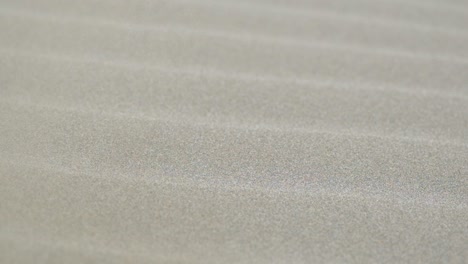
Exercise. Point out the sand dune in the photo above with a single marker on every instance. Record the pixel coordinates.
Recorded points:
(202, 131)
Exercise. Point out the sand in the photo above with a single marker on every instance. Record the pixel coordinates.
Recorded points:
(203, 131)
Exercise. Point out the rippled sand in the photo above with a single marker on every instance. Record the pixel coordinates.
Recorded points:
(205, 131)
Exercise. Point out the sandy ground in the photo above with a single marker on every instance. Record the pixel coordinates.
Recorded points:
(263, 131)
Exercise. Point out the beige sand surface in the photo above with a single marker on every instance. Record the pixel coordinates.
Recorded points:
(223, 131)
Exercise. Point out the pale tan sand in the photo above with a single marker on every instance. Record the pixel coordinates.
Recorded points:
(203, 131)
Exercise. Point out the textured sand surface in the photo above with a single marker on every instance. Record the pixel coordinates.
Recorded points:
(206, 131)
